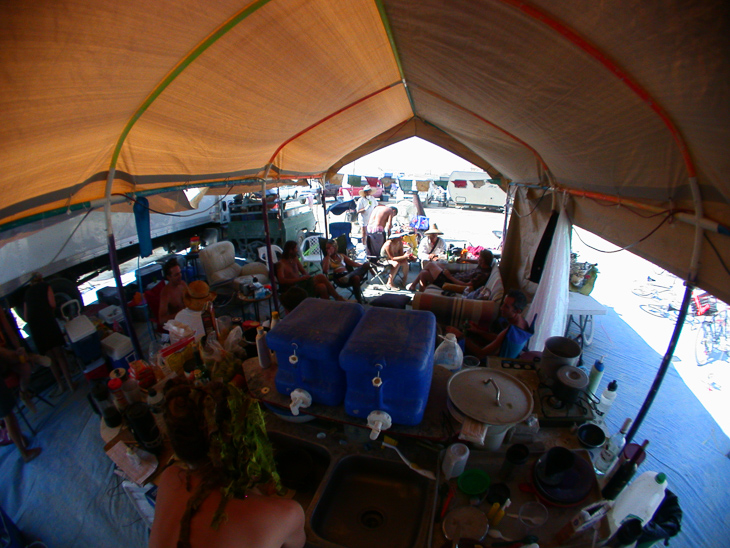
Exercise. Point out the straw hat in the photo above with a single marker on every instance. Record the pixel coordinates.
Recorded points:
(197, 294)
(363, 191)
(433, 230)
(394, 235)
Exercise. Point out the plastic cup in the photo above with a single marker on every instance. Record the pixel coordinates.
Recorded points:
(532, 515)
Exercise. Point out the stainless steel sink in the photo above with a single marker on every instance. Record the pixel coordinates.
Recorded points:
(371, 502)
(301, 465)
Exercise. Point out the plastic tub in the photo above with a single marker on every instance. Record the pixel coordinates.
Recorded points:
(397, 346)
(315, 332)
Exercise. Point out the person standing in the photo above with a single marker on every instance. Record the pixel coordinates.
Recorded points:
(13, 361)
(39, 311)
(379, 226)
(365, 206)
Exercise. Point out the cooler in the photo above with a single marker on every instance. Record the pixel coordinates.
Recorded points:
(108, 295)
(319, 329)
(96, 370)
(148, 275)
(397, 346)
(84, 339)
(119, 349)
(113, 314)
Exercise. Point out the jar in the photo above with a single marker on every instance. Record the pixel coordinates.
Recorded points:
(115, 389)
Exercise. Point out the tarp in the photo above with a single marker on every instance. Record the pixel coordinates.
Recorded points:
(628, 100)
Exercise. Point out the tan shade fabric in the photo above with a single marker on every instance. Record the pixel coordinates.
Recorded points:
(626, 99)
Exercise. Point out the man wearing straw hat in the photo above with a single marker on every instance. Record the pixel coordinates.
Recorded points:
(432, 246)
(365, 206)
(196, 296)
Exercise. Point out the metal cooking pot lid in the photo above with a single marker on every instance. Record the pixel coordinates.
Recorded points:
(473, 392)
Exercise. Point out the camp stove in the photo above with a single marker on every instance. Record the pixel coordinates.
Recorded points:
(550, 410)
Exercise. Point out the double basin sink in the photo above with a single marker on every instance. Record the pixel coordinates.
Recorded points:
(355, 495)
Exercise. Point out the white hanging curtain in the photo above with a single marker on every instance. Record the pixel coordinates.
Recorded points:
(550, 303)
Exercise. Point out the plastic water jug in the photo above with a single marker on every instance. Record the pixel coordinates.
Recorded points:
(449, 353)
(639, 500)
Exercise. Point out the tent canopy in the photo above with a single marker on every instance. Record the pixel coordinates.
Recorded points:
(626, 100)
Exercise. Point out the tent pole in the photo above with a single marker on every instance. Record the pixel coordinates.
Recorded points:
(114, 261)
(267, 241)
(664, 365)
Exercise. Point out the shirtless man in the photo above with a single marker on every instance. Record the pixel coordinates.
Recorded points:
(291, 273)
(171, 296)
(379, 226)
(397, 258)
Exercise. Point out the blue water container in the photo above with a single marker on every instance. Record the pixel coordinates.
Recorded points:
(397, 346)
(314, 332)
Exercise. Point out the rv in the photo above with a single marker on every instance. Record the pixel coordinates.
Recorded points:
(476, 189)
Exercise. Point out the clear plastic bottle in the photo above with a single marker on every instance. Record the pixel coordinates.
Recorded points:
(262, 348)
(611, 449)
(449, 354)
(607, 399)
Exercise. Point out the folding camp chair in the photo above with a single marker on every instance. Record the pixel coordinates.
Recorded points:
(343, 229)
(342, 248)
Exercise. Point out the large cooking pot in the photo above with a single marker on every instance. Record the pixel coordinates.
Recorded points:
(558, 351)
(570, 383)
(492, 397)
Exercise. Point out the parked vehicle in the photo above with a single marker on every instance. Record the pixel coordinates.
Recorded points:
(476, 189)
(349, 192)
(69, 249)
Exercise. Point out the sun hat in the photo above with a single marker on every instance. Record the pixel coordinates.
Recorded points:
(364, 190)
(394, 235)
(433, 230)
(197, 294)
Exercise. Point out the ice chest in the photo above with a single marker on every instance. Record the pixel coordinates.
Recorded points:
(113, 314)
(397, 346)
(119, 349)
(316, 331)
(84, 339)
(96, 370)
(148, 275)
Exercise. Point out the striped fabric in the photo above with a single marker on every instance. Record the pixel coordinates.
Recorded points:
(455, 310)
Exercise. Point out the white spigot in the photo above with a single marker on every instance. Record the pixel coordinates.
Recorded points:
(299, 398)
(377, 422)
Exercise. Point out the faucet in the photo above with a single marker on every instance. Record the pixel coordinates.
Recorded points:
(299, 398)
(377, 422)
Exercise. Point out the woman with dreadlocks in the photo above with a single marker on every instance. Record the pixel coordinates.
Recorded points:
(219, 433)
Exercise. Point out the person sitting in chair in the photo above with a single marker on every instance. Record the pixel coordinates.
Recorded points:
(432, 247)
(338, 263)
(171, 296)
(435, 273)
(291, 273)
(510, 338)
(397, 258)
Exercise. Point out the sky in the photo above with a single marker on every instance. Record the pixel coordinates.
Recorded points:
(411, 157)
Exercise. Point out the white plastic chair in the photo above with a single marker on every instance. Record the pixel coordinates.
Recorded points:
(263, 255)
(311, 252)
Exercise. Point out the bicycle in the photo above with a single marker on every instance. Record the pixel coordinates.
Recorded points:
(712, 335)
(654, 289)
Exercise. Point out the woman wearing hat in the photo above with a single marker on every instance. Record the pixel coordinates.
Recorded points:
(365, 206)
(432, 246)
(397, 258)
(196, 296)
(338, 263)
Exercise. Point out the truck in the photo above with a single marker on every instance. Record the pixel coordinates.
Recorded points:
(69, 250)
(476, 189)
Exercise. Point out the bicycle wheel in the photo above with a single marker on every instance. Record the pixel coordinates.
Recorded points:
(660, 310)
(644, 291)
(706, 342)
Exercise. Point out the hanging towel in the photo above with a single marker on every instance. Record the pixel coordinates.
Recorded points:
(142, 220)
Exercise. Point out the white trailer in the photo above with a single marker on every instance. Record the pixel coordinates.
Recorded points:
(65, 248)
(476, 189)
